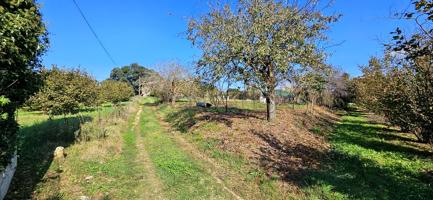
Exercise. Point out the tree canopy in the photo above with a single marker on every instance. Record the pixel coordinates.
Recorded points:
(23, 39)
(131, 74)
(115, 91)
(65, 91)
(400, 86)
(260, 41)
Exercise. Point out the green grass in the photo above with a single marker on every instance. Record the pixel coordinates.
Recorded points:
(182, 176)
(369, 161)
(252, 177)
(119, 176)
(38, 137)
(258, 106)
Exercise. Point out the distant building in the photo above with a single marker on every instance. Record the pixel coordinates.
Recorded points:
(281, 96)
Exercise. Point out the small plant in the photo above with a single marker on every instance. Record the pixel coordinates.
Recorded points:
(90, 131)
(316, 130)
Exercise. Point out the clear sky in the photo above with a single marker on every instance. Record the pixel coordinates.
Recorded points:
(153, 31)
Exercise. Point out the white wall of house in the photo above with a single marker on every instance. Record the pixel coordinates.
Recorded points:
(6, 177)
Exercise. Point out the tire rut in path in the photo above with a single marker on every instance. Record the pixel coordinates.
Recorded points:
(213, 170)
(154, 188)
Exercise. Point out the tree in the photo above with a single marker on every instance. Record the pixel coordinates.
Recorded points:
(400, 91)
(132, 75)
(175, 75)
(115, 91)
(23, 39)
(66, 91)
(339, 91)
(172, 82)
(409, 97)
(312, 83)
(262, 42)
(370, 86)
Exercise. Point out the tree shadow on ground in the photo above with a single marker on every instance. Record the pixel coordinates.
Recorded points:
(358, 178)
(289, 161)
(37, 145)
(347, 173)
(151, 104)
(376, 138)
(367, 177)
(184, 119)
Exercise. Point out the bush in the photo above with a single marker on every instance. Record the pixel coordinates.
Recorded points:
(115, 91)
(66, 92)
(23, 40)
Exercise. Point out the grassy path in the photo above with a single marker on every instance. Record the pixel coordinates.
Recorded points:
(370, 161)
(153, 184)
(183, 177)
(124, 176)
(213, 169)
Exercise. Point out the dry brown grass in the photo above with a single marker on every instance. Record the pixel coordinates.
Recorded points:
(286, 148)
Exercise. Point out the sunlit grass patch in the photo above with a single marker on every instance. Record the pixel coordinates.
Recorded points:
(183, 177)
(367, 162)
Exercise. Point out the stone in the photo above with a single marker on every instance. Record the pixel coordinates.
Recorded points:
(59, 153)
(84, 198)
(88, 178)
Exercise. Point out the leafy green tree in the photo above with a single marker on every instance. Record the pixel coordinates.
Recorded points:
(371, 85)
(400, 91)
(131, 74)
(262, 42)
(66, 91)
(413, 75)
(23, 39)
(115, 91)
(312, 83)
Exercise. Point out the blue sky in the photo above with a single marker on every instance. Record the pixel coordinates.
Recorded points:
(150, 32)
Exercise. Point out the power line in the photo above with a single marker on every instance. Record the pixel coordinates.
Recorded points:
(94, 33)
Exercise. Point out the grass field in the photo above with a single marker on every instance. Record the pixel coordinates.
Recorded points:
(367, 160)
(38, 139)
(156, 151)
(371, 161)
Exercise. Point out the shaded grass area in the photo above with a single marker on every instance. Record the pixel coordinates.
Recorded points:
(183, 177)
(183, 117)
(36, 148)
(368, 161)
(38, 138)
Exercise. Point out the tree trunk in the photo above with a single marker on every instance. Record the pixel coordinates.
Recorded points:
(270, 106)
(173, 100)
(173, 95)
(227, 100)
